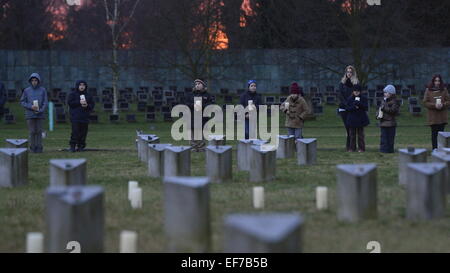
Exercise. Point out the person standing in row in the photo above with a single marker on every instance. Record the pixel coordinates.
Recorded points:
(437, 101)
(357, 118)
(296, 109)
(250, 97)
(198, 101)
(81, 104)
(346, 87)
(386, 114)
(34, 100)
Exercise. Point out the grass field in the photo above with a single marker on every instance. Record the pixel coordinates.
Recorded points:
(22, 209)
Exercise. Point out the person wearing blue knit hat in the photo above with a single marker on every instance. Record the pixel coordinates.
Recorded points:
(252, 97)
(386, 114)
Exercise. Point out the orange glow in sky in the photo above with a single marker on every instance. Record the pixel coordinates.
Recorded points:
(247, 9)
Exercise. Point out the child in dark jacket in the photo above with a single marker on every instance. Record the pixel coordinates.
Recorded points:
(357, 118)
(197, 102)
(251, 96)
(389, 109)
(81, 105)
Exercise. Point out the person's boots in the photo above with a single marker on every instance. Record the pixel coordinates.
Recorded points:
(80, 148)
(72, 148)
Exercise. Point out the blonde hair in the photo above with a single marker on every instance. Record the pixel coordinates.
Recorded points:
(354, 78)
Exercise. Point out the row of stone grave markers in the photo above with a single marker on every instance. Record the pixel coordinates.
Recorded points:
(186, 199)
(252, 156)
(74, 211)
(187, 222)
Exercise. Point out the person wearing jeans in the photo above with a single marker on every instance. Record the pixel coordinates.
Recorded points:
(437, 101)
(387, 113)
(296, 109)
(34, 100)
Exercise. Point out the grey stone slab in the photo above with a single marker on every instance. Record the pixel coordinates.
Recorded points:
(243, 152)
(177, 161)
(156, 159)
(263, 233)
(410, 155)
(443, 156)
(219, 163)
(68, 172)
(16, 143)
(13, 167)
(356, 192)
(187, 222)
(443, 140)
(426, 191)
(306, 151)
(286, 146)
(75, 213)
(143, 141)
(262, 164)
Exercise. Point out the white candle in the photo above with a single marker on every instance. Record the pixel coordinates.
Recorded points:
(82, 97)
(132, 185)
(198, 105)
(438, 101)
(250, 105)
(136, 198)
(36, 103)
(286, 104)
(128, 242)
(35, 242)
(258, 197)
(322, 198)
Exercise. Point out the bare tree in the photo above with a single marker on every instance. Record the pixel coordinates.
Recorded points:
(361, 35)
(191, 37)
(117, 21)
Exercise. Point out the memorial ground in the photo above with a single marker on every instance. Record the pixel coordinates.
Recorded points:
(22, 209)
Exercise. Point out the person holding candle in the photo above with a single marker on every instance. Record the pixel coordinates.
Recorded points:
(35, 101)
(198, 101)
(357, 118)
(251, 99)
(2, 100)
(386, 114)
(81, 104)
(437, 101)
(296, 109)
(348, 81)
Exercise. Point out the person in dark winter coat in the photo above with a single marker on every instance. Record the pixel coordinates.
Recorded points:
(252, 97)
(81, 104)
(34, 100)
(345, 90)
(357, 118)
(200, 90)
(437, 101)
(386, 114)
(2, 100)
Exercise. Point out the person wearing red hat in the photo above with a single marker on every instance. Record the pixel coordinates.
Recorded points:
(296, 109)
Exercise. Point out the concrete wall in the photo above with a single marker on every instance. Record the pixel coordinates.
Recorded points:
(232, 69)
